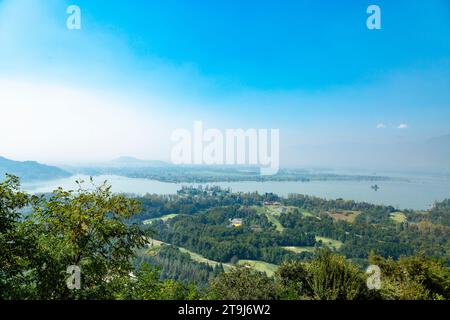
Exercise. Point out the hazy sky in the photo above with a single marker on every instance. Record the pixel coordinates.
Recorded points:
(138, 70)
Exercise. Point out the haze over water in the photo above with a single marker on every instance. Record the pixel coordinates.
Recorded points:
(417, 192)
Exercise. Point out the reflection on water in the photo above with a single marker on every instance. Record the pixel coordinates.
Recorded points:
(416, 193)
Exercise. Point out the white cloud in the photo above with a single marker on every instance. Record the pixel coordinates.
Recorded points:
(381, 126)
(403, 126)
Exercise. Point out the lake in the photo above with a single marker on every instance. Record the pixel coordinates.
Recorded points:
(418, 193)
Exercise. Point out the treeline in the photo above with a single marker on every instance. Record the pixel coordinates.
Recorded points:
(387, 238)
(438, 214)
(192, 200)
(176, 265)
(318, 205)
(213, 174)
(204, 227)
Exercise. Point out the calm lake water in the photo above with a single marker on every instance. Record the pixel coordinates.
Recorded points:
(417, 193)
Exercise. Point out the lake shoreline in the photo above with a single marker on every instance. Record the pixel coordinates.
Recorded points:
(413, 194)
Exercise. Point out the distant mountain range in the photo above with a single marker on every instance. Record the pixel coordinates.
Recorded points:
(431, 156)
(30, 170)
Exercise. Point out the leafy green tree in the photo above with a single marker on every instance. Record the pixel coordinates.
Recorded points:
(413, 278)
(292, 276)
(327, 277)
(243, 283)
(146, 285)
(87, 228)
(331, 277)
(234, 260)
(16, 245)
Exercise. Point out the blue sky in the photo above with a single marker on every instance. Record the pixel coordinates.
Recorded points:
(310, 68)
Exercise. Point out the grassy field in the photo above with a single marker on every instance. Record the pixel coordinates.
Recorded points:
(307, 214)
(334, 244)
(398, 217)
(347, 215)
(299, 249)
(261, 266)
(331, 243)
(154, 244)
(199, 258)
(268, 268)
(163, 218)
(271, 213)
(275, 222)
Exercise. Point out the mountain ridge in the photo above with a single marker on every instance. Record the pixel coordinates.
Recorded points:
(30, 170)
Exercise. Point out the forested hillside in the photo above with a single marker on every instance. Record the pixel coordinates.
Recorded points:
(214, 244)
(275, 229)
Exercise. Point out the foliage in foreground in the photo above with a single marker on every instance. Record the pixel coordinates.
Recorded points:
(41, 236)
